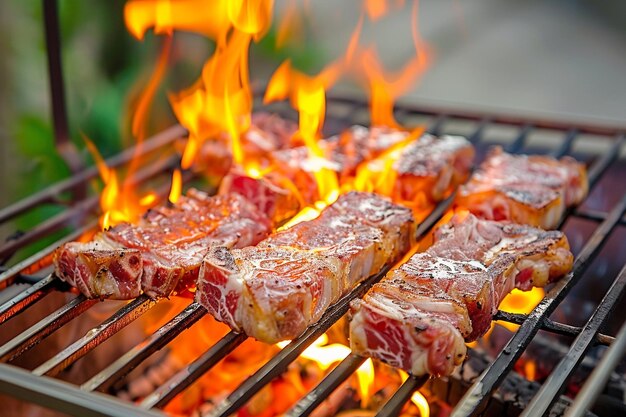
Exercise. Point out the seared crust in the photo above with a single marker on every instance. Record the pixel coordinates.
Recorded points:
(432, 167)
(275, 290)
(457, 284)
(525, 189)
(169, 244)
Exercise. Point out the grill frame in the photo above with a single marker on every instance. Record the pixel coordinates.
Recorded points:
(71, 399)
(85, 400)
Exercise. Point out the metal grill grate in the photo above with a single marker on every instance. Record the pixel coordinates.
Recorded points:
(38, 386)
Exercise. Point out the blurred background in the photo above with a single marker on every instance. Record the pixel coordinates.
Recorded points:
(558, 58)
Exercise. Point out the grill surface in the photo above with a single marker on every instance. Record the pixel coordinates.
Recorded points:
(38, 386)
(517, 134)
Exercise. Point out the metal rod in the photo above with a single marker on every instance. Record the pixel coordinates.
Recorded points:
(475, 137)
(95, 336)
(78, 211)
(42, 329)
(601, 165)
(278, 364)
(26, 298)
(317, 395)
(597, 380)
(75, 214)
(7, 276)
(127, 362)
(594, 215)
(520, 140)
(596, 128)
(552, 326)
(60, 395)
(477, 395)
(52, 192)
(393, 407)
(555, 382)
(437, 124)
(188, 375)
(64, 145)
(566, 145)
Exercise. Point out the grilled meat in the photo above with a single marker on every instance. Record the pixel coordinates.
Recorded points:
(419, 316)
(428, 169)
(163, 251)
(533, 189)
(274, 290)
(273, 194)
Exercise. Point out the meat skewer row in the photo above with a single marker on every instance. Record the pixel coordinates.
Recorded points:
(525, 189)
(274, 290)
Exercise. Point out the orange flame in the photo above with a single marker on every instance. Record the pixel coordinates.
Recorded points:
(417, 398)
(324, 355)
(117, 206)
(176, 188)
(308, 95)
(378, 8)
(385, 87)
(521, 302)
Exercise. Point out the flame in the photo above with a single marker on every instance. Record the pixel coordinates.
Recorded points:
(530, 370)
(221, 100)
(422, 404)
(385, 87)
(379, 175)
(308, 95)
(176, 187)
(522, 302)
(324, 355)
(117, 206)
(417, 398)
(378, 8)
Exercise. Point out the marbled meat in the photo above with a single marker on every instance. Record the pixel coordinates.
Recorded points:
(420, 315)
(163, 251)
(528, 189)
(273, 291)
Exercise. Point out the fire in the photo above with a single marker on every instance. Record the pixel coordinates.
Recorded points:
(324, 355)
(417, 398)
(522, 302)
(308, 95)
(117, 206)
(385, 87)
(176, 188)
(379, 175)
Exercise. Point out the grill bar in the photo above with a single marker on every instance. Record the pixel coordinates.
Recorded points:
(7, 276)
(520, 140)
(59, 395)
(193, 371)
(77, 212)
(94, 337)
(552, 326)
(554, 384)
(336, 377)
(26, 298)
(597, 380)
(118, 369)
(396, 402)
(566, 145)
(278, 364)
(475, 398)
(51, 194)
(39, 331)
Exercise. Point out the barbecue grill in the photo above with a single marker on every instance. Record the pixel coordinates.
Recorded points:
(598, 144)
